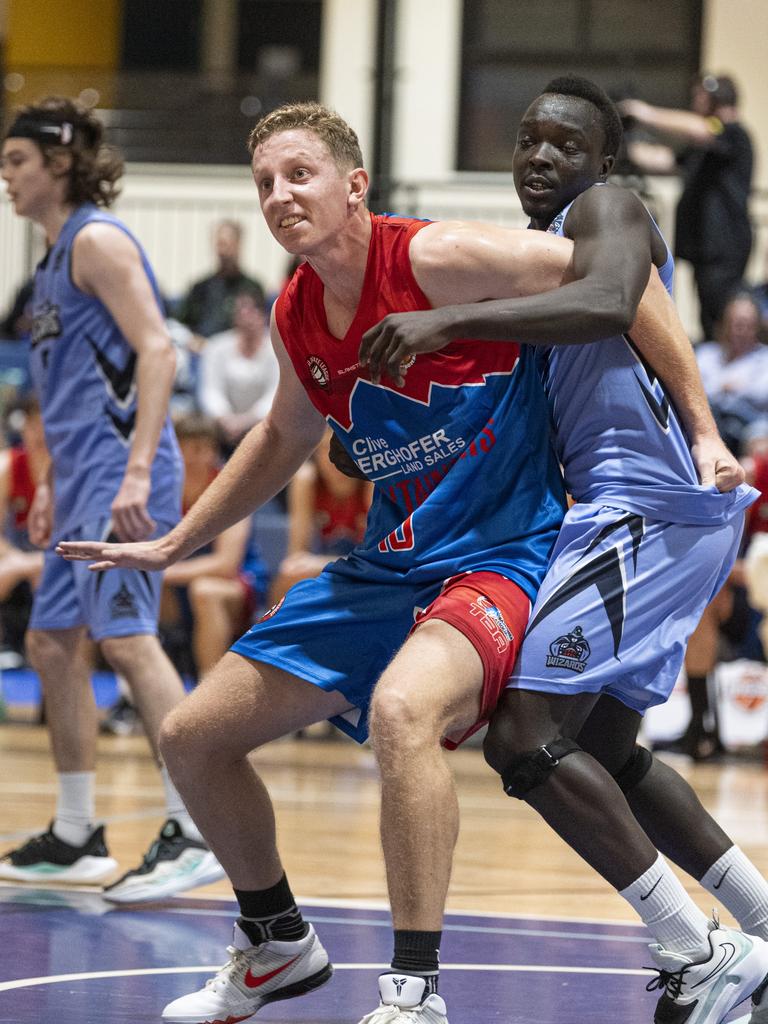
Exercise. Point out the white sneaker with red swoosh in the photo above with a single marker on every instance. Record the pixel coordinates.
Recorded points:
(254, 976)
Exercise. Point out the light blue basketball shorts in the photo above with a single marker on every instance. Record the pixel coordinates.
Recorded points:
(621, 597)
(114, 603)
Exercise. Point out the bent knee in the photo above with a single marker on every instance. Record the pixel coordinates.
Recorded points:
(395, 720)
(208, 588)
(122, 652)
(180, 739)
(514, 731)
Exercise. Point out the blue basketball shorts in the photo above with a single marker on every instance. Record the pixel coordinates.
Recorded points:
(621, 597)
(114, 603)
(340, 632)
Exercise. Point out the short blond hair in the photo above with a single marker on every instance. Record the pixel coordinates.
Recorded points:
(329, 126)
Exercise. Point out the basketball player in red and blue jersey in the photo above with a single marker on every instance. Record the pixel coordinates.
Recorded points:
(638, 558)
(102, 366)
(431, 604)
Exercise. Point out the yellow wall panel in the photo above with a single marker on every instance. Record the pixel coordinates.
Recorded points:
(63, 33)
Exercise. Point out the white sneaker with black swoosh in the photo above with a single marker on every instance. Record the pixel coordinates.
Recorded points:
(705, 991)
(254, 976)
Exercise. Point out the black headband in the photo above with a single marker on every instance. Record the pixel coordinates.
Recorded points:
(27, 127)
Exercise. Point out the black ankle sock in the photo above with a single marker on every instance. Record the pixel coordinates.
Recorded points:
(270, 914)
(418, 953)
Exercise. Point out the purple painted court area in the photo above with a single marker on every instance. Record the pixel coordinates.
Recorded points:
(511, 970)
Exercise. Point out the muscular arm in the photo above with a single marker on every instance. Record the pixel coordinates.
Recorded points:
(604, 275)
(605, 280)
(262, 465)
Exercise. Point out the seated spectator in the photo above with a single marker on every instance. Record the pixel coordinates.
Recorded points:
(239, 371)
(208, 307)
(16, 324)
(20, 563)
(211, 596)
(735, 369)
(327, 517)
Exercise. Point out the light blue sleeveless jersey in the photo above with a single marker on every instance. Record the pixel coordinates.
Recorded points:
(617, 435)
(84, 375)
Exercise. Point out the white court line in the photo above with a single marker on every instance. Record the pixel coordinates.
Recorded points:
(338, 904)
(7, 986)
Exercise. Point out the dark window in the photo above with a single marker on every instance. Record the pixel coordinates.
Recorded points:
(164, 35)
(279, 37)
(647, 48)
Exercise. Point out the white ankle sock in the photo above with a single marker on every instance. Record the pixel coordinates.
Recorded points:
(75, 807)
(175, 808)
(668, 911)
(736, 883)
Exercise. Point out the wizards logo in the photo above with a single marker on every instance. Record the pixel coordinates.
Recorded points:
(569, 651)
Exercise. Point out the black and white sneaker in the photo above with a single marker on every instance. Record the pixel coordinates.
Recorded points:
(122, 719)
(705, 991)
(172, 864)
(46, 858)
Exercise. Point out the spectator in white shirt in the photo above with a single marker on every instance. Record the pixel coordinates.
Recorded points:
(735, 369)
(239, 371)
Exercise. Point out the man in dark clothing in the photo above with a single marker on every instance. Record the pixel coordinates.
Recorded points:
(712, 229)
(209, 306)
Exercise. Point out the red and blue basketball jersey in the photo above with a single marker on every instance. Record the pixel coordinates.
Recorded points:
(465, 476)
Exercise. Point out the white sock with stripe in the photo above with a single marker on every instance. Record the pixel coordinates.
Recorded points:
(668, 911)
(736, 883)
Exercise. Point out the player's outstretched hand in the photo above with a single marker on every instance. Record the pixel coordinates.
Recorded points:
(389, 347)
(150, 555)
(717, 466)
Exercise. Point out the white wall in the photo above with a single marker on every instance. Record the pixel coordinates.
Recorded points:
(427, 88)
(735, 42)
(172, 211)
(347, 59)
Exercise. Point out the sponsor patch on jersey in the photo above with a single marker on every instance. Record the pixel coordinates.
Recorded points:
(319, 371)
(490, 616)
(569, 651)
(123, 605)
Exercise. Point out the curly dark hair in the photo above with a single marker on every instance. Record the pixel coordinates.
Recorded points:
(96, 167)
(583, 88)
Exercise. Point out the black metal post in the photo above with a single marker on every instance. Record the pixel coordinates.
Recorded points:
(383, 106)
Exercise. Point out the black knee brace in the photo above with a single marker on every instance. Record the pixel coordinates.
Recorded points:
(531, 769)
(634, 771)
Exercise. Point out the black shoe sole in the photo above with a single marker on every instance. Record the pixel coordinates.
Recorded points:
(299, 988)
